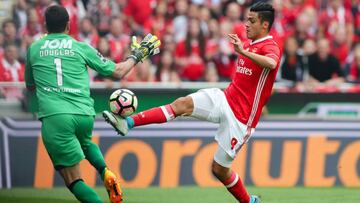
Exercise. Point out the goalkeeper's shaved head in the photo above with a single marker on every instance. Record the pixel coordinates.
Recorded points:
(56, 18)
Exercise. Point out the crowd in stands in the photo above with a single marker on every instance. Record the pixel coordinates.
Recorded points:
(320, 38)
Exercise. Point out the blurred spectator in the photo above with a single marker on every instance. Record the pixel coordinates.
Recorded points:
(118, 40)
(144, 72)
(159, 23)
(168, 43)
(71, 8)
(204, 17)
(280, 26)
(190, 53)
(213, 38)
(211, 74)
(354, 75)
(5, 9)
(198, 2)
(303, 29)
(20, 15)
(232, 16)
(291, 9)
(1, 44)
(308, 49)
(33, 29)
(225, 59)
(11, 70)
(340, 48)
(88, 32)
(324, 67)
(10, 33)
(118, 6)
(336, 15)
(30, 33)
(116, 20)
(193, 11)
(180, 20)
(166, 71)
(40, 6)
(138, 12)
(100, 12)
(292, 68)
(215, 7)
(104, 49)
(356, 13)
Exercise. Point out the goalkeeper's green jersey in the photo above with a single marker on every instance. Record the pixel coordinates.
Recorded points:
(57, 67)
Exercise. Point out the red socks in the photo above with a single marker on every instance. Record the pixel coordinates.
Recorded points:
(236, 188)
(160, 114)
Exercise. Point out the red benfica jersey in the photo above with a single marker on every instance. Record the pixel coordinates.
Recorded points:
(251, 86)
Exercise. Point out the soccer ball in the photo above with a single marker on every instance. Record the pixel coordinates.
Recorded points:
(123, 102)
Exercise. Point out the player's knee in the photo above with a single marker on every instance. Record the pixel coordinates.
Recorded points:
(69, 174)
(219, 172)
(216, 171)
(183, 106)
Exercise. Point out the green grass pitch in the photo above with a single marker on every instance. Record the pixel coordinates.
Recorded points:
(189, 195)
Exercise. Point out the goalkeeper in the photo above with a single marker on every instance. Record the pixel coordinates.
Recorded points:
(56, 68)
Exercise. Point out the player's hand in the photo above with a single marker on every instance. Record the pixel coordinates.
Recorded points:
(134, 44)
(238, 45)
(149, 46)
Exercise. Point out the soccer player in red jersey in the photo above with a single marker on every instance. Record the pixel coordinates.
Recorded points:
(237, 109)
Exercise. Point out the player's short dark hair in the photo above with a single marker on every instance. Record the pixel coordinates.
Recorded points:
(56, 18)
(265, 11)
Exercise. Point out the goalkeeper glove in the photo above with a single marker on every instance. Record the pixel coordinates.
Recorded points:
(148, 46)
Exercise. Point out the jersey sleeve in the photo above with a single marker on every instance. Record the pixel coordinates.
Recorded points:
(29, 78)
(96, 61)
(272, 51)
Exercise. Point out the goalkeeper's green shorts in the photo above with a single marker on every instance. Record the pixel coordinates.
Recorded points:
(64, 137)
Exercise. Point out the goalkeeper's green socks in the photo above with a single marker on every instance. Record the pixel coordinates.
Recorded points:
(95, 157)
(83, 192)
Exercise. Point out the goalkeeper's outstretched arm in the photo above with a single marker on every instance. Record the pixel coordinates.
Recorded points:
(149, 46)
(122, 68)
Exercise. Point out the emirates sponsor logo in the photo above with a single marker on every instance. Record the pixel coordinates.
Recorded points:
(241, 62)
(242, 69)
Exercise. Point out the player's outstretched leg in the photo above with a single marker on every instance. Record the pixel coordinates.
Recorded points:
(113, 187)
(254, 199)
(118, 123)
(160, 114)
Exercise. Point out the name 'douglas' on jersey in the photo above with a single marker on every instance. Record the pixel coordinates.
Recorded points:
(57, 47)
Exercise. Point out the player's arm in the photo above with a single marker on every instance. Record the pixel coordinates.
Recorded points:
(263, 61)
(149, 46)
(122, 68)
(29, 78)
